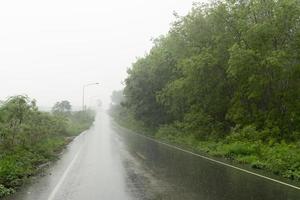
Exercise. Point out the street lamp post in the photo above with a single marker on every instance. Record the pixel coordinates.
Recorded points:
(83, 91)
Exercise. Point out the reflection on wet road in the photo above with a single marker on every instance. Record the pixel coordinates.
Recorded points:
(110, 163)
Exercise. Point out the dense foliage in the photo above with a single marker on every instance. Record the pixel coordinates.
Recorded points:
(228, 73)
(29, 138)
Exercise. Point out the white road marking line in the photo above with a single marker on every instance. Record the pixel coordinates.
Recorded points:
(61, 180)
(140, 155)
(219, 162)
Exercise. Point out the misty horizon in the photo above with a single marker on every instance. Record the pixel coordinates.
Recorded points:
(49, 51)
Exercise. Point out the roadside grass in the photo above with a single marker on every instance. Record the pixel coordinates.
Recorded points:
(79, 122)
(23, 162)
(280, 158)
(74, 128)
(17, 165)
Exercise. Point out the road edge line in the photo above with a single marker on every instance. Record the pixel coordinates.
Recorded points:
(216, 161)
(63, 177)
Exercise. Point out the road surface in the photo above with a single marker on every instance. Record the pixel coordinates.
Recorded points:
(108, 162)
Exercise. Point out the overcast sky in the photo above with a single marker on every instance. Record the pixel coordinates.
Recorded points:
(49, 49)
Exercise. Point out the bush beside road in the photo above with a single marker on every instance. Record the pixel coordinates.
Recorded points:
(29, 138)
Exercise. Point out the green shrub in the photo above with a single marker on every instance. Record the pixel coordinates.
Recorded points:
(283, 159)
(5, 191)
(14, 167)
(247, 133)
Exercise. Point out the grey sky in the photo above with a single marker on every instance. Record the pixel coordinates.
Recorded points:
(49, 49)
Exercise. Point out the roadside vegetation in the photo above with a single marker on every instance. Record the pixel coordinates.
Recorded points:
(30, 138)
(224, 80)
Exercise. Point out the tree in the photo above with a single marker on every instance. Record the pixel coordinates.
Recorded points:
(146, 78)
(62, 108)
(117, 97)
(13, 114)
(231, 64)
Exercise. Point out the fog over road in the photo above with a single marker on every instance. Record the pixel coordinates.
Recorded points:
(109, 163)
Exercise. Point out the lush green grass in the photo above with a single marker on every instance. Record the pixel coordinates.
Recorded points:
(279, 158)
(21, 161)
(18, 165)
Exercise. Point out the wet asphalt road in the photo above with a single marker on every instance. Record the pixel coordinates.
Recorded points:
(108, 162)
